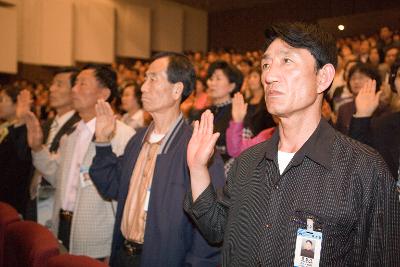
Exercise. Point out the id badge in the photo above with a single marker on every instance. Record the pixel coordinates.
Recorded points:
(308, 248)
(84, 177)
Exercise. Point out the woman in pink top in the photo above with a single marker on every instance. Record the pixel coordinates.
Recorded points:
(198, 100)
(234, 141)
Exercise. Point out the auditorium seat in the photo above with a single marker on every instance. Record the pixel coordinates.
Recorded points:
(7, 215)
(67, 260)
(28, 244)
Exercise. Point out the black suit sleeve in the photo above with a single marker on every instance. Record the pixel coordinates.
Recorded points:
(210, 210)
(360, 129)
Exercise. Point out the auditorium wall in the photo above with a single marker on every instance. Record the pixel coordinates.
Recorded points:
(54, 33)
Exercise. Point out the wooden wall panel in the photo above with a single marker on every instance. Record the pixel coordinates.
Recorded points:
(94, 31)
(133, 34)
(195, 29)
(46, 32)
(8, 39)
(167, 27)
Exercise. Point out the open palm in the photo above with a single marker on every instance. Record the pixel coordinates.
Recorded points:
(105, 121)
(24, 102)
(35, 133)
(367, 100)
(239, 108)
(201, 145)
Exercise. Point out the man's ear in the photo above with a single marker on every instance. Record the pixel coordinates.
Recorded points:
(105, 93)
(177, 90)
(325, 77)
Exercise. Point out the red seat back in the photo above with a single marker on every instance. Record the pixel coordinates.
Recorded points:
(67, 260)
(29, 244)
(7, 215)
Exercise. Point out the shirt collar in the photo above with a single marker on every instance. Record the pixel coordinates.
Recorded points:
(61, 120)
(318, 147)
(90, 125)
(223, 104)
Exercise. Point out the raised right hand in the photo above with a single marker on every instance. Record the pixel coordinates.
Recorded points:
(367, 101)
(24, 102)
(35, 133)
(239, 108)
(105, 122)
(201, 145)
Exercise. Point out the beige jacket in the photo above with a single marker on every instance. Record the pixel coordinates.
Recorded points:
(93, 220)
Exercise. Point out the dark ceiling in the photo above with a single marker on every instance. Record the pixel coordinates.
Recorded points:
(223, 5)
(226, 5)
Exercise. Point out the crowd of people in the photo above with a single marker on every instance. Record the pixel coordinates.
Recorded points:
(116, 144)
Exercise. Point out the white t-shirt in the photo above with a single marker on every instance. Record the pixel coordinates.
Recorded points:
(154, 138)
(283, 160)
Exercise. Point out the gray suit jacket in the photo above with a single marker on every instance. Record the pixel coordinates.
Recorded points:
(93, 220)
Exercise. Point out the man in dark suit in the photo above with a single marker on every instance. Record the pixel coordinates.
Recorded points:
(53, 129)
(151, 178)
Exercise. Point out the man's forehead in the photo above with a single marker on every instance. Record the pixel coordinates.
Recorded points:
(62, 76)
(86, 73)
(158, 65)
(280, 46)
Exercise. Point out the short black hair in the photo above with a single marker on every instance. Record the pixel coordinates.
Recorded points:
(309, 241)
(234, 74)
(72, 70)
(318, 42)
(12, 91)
(136, 91)
(106, 77)
(393, 74)
(180, 69)
(365, 69)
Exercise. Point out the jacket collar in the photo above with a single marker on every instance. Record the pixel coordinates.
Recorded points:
(169, 136)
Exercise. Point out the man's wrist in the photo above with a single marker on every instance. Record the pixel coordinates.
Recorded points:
(102, 139)
(362, 115)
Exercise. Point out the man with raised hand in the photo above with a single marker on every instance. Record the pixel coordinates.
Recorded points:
(53, 129)
(82, 219)
(308, 182)
(151, 178)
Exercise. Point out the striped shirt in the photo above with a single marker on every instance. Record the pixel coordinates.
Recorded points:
(344, 185)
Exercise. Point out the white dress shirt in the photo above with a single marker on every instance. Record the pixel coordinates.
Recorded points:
(85, 133)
